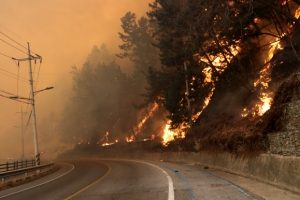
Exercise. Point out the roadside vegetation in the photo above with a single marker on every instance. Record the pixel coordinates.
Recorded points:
(208, 71)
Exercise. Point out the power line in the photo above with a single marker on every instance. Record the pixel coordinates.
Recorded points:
(13, 46)
(13, 40)
(7, 92)
(18, 81)
(13, 77)
(14, 74)
(6, 55)
(28, 121)
(38, 74)
(14, 99)
(17, 37)
(13, 33)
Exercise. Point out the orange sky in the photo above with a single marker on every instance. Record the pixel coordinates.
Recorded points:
(63, 33)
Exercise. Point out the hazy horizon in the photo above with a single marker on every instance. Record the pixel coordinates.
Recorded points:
(63, 33)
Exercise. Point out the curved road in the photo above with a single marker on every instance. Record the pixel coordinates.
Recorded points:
(126, 179)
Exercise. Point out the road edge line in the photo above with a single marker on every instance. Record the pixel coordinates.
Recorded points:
(171, 195)
(39, 184)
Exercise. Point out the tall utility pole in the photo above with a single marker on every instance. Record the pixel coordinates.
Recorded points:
(35, 139)
(188, 95)
(22, 132)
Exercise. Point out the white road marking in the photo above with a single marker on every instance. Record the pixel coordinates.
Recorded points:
(171, 195)
(40, 184)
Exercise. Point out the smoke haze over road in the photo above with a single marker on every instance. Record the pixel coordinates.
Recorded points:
(63, 33)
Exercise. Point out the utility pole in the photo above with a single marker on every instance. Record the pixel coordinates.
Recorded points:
(35, 139)
(187, 95)
(22, 131)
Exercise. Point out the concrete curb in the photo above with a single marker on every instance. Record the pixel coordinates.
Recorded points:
(280, 171)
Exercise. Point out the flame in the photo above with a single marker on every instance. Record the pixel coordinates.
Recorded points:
(170, 135)
(129, 139)
(104, 138)
(266, 96)
(108, 144)
(208, 79)
(220, 64)
(297, 13)
(138, 128)
(267, 100)
(140, 125)
(152, 138)
(264, 79)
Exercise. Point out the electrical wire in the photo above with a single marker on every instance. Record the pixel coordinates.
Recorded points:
(25, 79)
(18, 81)
(38, 74)
(13, 46)
(13, 77)
(13, 33)
(13, 40)
(28, 122)
(14, 99)
(6, 55)
(7, 92)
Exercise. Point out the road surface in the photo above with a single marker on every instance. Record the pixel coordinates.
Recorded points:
(127, 179)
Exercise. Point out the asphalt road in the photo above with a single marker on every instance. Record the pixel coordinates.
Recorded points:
(127, 179)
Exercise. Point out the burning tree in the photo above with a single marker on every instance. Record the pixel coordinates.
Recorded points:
(230, 48)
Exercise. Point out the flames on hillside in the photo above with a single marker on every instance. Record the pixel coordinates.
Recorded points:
(262, 85)
(219, 62)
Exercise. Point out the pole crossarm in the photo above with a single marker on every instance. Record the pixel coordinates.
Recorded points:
(26, 59)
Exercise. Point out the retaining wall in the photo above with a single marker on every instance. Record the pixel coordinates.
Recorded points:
(278, 170)
(281, 171)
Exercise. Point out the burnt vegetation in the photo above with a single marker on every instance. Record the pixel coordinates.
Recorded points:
(236, 53)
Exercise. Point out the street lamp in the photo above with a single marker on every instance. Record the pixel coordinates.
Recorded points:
(35, 92)
(47, 88)
(36, 147)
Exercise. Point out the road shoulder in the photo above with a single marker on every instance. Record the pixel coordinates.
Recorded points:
(261, 189)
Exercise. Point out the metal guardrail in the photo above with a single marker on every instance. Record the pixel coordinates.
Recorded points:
(25, 171)
(16, 165)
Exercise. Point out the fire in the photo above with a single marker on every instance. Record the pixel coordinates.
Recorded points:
(266, 99)
(152, 138)
(266, 96)
(140, 125)
(220, 63)
(297, 13)
(104, 138)
(264, 79)
(170, 135)
(138, 128)
(129, 139)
